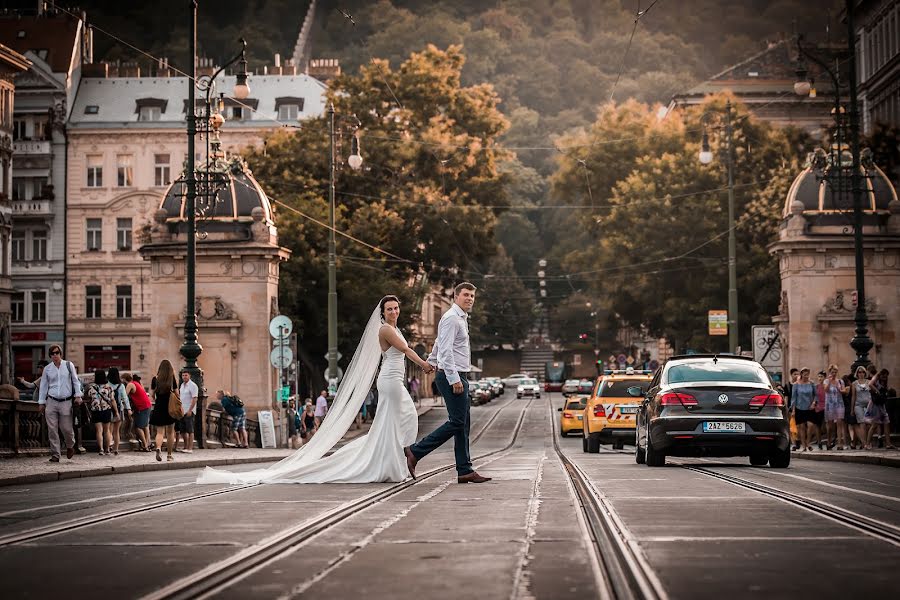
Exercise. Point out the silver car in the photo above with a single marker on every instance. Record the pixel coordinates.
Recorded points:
(528, 387)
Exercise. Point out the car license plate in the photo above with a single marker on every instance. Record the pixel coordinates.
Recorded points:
(729, 426)
(628, 410)
(580, 417)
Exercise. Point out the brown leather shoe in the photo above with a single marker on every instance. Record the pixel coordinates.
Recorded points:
(472, 477)
(411, 461)
(70, 452)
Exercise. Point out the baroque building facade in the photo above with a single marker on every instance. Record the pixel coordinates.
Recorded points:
(878, 61)
(126, 146)
(54, 45)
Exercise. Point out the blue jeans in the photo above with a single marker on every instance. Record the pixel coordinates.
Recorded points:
(456, 427)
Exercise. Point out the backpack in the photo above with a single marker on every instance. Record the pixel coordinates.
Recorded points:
(102, 397)
(236, 400)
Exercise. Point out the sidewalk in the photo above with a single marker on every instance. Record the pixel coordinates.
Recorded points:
(36, 469)
(886, 458)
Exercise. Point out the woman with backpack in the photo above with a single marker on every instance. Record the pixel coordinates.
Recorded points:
(160, 417)
(101, 399)
(123, 407)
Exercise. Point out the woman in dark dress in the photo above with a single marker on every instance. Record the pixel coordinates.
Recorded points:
(160, 417)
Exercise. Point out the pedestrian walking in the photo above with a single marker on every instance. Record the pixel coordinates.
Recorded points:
(233, 405)
(292, 416)
(834, 407)
(59, 390)
(794, 376)
(189, 392)
(414, 386)
(308, 425)
(861, 397)
(321, 407)
(850, 414)
(123, 406)
(141, 407)
(819, 409)
(103, 405)
(803, 397)
(160, 417)
(877, 412)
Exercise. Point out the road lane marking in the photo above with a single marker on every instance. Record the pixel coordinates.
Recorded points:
(836, 486)
(521, 587)
(86, 500)
(754, 538)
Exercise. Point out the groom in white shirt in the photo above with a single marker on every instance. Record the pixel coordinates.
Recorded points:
(451, 357)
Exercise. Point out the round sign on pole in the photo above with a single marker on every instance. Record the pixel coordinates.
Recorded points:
(280, 326)
(281, 357)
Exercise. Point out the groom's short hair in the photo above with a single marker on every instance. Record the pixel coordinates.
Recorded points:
(465, 285)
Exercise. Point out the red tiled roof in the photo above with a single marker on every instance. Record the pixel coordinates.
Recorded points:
(57, 35)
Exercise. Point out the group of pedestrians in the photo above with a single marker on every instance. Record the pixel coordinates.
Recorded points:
(840, 412)
(302, 422)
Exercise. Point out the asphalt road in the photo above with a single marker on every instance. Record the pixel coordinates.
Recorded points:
(520, 536)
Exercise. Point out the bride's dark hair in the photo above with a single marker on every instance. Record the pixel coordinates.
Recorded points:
(384, 301)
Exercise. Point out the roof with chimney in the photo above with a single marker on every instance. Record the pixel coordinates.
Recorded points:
(53, 38)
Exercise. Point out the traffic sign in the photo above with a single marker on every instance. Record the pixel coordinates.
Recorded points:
(285, 392)
(281, 357)
(767, 349)
(280, 326)
(339, 355)
(718, 322)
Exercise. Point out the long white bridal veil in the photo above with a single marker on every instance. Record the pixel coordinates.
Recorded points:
(349, 399)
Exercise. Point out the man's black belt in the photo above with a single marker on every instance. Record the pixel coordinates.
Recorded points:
(460, 373)
(60, 399)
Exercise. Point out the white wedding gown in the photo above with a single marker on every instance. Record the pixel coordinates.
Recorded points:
(375, 457)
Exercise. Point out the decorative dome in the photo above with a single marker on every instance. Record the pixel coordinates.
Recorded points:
(824, 186)
(238, 196)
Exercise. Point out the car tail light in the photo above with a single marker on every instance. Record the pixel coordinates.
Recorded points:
(677, 399)
(568, 415)
(767, 399)
(598, 410)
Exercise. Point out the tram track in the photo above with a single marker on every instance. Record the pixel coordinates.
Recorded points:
(35, 533)
(885, 532)
(221, 575)
(625, 573)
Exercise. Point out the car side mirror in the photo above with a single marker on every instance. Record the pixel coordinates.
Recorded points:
(559, 409)
(635, 391)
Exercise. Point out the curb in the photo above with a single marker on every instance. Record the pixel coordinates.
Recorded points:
(154, 466)
(884, 461)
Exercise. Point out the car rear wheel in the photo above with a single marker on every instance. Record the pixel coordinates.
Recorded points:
(563, 432)
(780, 459)
(758, 460)
(654, 458)
(640, 456)
(618, 444)
(593, 443)
(584, 443)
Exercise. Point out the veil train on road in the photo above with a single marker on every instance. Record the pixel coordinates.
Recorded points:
(376, 456)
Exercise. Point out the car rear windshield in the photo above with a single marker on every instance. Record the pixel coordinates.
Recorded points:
(575, 404)
(618, 388)
(699, 372)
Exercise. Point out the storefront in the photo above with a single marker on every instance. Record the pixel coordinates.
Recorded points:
(104, 357)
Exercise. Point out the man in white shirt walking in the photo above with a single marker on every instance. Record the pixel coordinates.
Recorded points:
(321, 407)
(189, 392)
(59, 389)
(452, 358)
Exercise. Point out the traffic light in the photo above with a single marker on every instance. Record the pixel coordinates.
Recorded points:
(583, 337)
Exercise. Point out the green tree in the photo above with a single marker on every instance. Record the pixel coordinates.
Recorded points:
(505, 306)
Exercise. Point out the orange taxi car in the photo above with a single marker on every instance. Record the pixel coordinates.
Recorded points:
(609, 415)
(572, 415)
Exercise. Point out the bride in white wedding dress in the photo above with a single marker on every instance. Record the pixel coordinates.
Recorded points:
(374, 457)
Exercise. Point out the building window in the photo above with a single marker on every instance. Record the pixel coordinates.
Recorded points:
(39, 245)
(237, 113)
(288, 112)
(149, 113)
(162, 171)
(123, 301)
(39, 187)
(17, 308)
(41, 130)
(94, 234)
(19, 188)
(18, 246)
(95, 171)
(123, 234)
(38, 307)
(92, 109)
(19, 129)
(124, 170)
(92, 301)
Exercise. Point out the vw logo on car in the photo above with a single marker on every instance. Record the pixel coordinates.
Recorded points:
(723, 399)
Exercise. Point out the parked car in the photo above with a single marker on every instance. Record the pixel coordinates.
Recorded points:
(570, 386)
(708, 405)
(610, 411)
(586, 386)
(512, 381)
(496, 385)
(528, 387)
(480, 391)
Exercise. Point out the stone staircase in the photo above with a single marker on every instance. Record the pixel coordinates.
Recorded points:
(537, 350)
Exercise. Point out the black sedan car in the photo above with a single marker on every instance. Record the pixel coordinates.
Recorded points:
(708, 405)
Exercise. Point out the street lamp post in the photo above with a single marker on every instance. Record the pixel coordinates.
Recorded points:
(191, 348)
(861, 342)
(355, 163)
(706, 157)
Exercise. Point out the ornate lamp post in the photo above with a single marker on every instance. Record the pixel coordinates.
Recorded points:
(191, 348)
(355, 161)
(861, 342)
(706, 157)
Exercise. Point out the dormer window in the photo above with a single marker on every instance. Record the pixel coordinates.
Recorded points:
(150, 109)
(289, 108)
(91, 109)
